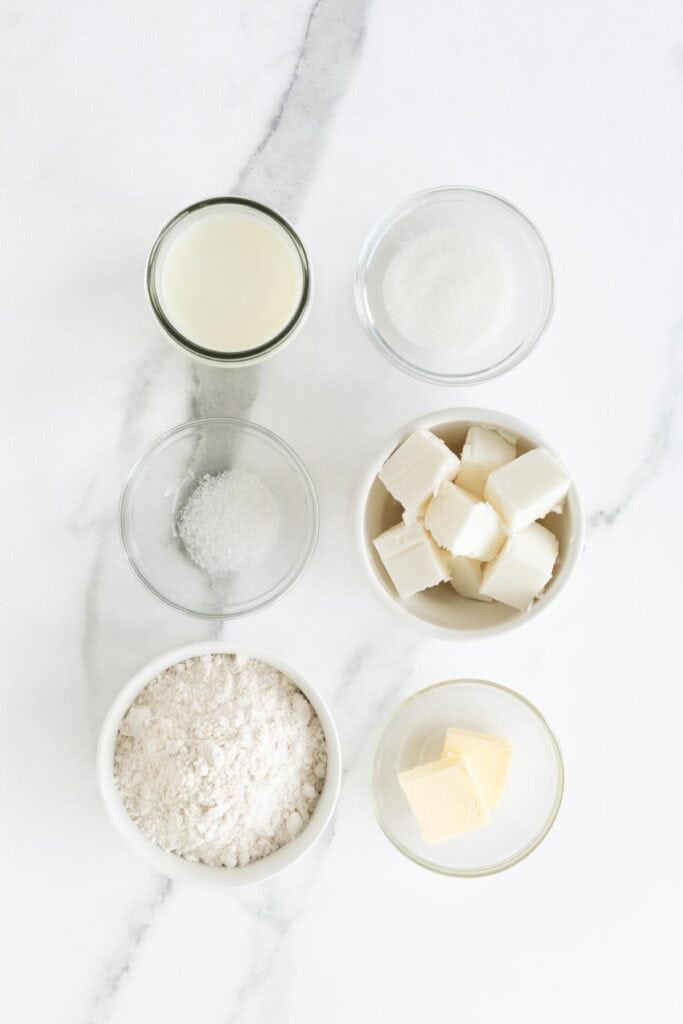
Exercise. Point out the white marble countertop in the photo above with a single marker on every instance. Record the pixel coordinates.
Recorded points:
(114, 117)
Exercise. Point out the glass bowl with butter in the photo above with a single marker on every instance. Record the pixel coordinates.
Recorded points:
(467, 778)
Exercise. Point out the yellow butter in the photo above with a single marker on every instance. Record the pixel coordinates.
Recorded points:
(488, 758)
(444, 798)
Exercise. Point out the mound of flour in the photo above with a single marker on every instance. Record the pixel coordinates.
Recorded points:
(220, 760)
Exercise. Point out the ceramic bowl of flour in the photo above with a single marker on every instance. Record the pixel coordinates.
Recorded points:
(438, 610)
(455, 286)
(215, 771)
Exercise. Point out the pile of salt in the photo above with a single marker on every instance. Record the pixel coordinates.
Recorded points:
(229, 522)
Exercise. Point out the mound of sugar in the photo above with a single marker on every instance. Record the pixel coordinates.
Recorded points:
(446, 288)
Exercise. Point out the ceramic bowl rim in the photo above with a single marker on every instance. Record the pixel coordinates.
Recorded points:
(454, 416)
(169, 864)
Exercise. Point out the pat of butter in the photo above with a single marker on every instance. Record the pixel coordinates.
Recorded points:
(518, 574)
(412, 559)
(527, 489)
(463, 524)
(444, 798)
(415, 471)
(466, 578)
(484, 450)
(488, 758)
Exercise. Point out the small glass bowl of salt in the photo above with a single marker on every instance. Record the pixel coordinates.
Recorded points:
(219, 518)
(455, 286)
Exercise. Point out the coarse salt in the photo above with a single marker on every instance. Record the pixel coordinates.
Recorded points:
(230, 522)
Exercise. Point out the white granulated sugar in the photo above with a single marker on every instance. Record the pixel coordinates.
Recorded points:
(221, 760)
(229, 522)
(445, 288)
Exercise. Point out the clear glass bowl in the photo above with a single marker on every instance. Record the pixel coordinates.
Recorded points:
(523, 255)
(414, 735)
(161, 481)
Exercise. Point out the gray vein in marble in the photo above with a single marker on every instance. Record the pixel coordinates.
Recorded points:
(660, 440)
(104, 521)
(279, 169)
(277, 172)
(358, 677)
(365, 665)
(266, 909)
(280, 924)
(329, 52)
(122, 961)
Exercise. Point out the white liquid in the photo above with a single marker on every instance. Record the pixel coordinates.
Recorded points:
(231, 279)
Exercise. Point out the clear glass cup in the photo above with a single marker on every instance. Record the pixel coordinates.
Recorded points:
(154, 274)
(523, 254)
(161, 481)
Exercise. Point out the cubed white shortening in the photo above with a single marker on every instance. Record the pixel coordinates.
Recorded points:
(416, 470)
(520, 571)
(484, 450)
(466, 578)
(527, 489)
(463, 524)
(412, 559)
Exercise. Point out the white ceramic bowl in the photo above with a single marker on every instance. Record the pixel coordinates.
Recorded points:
(171, 864)
(440, 611)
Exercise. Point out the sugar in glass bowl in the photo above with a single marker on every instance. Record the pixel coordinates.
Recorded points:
(533, 792)
(521, 254)
(161, 481)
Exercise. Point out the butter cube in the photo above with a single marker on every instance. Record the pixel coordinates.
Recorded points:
(463, 524)
(412, 559)
(488, 759)
(415, 471)
(518, 574)
(484, 450)
(466, 578)
(527, 489)
(444, 798)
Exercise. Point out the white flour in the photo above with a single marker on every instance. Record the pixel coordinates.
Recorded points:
(221, 760)
(445, 287)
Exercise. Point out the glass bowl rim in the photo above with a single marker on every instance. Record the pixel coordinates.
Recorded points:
(244, 356)
(147, 456)
(529, 848)
(373, 239)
